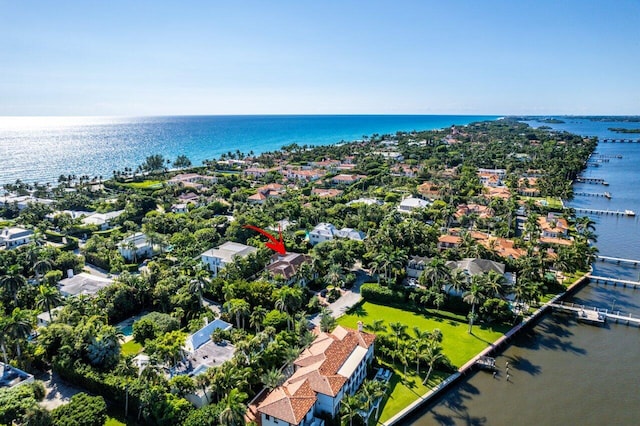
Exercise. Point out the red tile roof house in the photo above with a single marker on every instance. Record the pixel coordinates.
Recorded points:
(344, 179)
(333, 366)
(256, 172)
(287, 265)
(267, 191)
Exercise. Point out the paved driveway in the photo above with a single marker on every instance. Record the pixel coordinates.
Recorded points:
(57, 392)
(347, 300)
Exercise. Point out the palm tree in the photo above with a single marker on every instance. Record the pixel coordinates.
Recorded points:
(234, 409)
(13, 281)
(18, 326)
(349, 408)
(432, 355)
(272, 378)
(436, 272)
(494, 282)
(473, 296)
(41, 267)
(202, 381)
(48, 296)
(376, 327)
(459, 280)
(256, 317)
(334, 275)
(399, 330)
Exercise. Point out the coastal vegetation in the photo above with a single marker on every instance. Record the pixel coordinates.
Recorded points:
(411, 208)
(623, 130)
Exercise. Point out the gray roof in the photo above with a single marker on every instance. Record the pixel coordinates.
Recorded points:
(477, 266)
(83, 284)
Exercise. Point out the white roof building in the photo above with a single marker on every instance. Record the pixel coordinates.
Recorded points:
(102, 220)
(217, 258)
(15, 237)
(135, 246)
(409, 204)
(326, 231)
(83, 283)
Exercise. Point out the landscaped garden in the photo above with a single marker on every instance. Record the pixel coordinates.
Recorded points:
(457, 344)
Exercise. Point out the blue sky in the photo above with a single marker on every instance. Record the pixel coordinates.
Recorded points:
(319, 57)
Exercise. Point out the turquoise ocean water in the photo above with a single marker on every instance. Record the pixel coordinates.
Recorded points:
(42, 148)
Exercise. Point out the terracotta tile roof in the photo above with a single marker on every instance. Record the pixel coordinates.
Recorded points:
(291, 403)
(316, 372)
(450, 239)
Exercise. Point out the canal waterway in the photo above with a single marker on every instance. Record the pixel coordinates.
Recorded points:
(563, 372)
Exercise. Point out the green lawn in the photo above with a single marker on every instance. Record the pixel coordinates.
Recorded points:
(457, 344)
(146, 184)
(131, 348)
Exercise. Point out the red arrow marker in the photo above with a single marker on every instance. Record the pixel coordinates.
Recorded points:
(274, 244)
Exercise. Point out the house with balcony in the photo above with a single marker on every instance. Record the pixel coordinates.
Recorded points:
(15, 237)
(335, 365)
(135, 247)
(326, 232)
(287, 266)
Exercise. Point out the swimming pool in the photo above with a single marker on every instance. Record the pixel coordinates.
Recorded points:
(127, 330)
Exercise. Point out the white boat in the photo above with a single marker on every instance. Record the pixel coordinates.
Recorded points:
(629, 213)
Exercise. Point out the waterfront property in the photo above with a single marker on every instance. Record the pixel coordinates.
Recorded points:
(335, 365)
(217, 258)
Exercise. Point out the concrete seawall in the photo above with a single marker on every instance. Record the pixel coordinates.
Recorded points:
(493, 348)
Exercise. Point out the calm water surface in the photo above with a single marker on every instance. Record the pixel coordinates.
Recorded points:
(563, 372)
(43, 148)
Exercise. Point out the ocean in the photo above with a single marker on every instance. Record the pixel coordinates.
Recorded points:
(564, 372)
(39, 149)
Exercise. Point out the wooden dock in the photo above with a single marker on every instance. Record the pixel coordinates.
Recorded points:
(589, 315)
(594, 315)
(628, 213)
(613, 281)
(594, 194)
(611, 140)
(594, 181)
(619, 260)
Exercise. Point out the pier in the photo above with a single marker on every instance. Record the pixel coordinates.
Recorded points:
(594, 315)
(593, 181)
(629, 213)
(610, 140)
(619, 260)
(614, 281)
(594, 194)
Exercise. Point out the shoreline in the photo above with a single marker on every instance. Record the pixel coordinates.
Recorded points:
(496, 347)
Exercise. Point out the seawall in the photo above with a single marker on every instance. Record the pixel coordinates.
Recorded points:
(492, 349)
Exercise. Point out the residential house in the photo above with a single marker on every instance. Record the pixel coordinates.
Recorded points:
(335, 365)
(344, 179)
(390, 155)
(326, 232)
(44, 319)
(429, 189)
(82, 283)
(367, 201)
(14, 237)
(497, 192)
(287, 265)
(473, 267)
(201, 353)
(528, 186)
(326, 193)
(329, 164)
(483, 212)
(307, 175)
(404, 170)
(553, 226)
(192, 180)
(102, 220)
(215, 259)
(448, 241)
(256, 172)
(416, 266)
(267, 191)
(179, 208)
(410, 204)
(135, 246)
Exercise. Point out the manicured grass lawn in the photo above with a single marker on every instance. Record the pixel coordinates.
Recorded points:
(146, 184)
(457, 344)
(131, 348)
